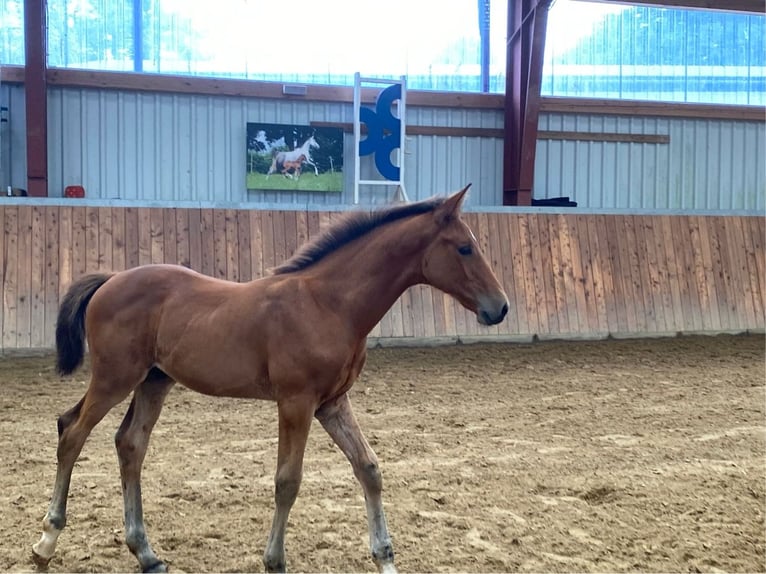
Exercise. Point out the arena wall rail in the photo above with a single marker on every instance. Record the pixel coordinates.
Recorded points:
(568, 275)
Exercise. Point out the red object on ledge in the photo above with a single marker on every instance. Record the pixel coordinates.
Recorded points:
(76, 191)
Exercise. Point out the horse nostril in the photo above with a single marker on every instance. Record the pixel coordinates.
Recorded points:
(504, 311)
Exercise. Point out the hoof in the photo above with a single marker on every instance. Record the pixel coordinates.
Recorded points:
(275, 567)
(40, 562)
(158, 566)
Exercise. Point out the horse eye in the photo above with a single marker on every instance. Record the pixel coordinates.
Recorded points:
(465, 249)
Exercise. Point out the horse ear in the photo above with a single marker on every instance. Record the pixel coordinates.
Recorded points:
(450, 209)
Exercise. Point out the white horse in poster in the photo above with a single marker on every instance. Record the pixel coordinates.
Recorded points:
(293, 156)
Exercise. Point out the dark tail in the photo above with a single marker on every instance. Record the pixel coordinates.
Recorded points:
(70, 327)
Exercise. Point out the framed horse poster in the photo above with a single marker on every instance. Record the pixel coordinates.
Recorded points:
(294, 158)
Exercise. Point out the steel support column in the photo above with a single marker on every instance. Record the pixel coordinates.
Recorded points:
(526, 43)
(35, 97)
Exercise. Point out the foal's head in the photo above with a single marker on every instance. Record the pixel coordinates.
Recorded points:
(454, 264)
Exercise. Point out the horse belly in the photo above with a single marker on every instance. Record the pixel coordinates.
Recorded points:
(213, 367)
(222, 381)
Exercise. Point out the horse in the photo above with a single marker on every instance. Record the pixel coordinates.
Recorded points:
(281, 157)
(296, 166)
(297, 336)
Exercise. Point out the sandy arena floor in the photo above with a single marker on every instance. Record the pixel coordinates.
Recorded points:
(586, 456)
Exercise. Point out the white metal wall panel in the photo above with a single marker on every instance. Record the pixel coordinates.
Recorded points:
(13, 153)
(166, 147)
(709, 164)
(134, 145)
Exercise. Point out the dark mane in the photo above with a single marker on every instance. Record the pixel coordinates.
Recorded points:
(350, 227)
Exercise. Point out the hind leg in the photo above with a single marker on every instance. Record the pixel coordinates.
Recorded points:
(74, 426)
(131, 441)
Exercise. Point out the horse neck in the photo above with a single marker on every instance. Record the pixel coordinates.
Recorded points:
(304, 149)
(363, 279)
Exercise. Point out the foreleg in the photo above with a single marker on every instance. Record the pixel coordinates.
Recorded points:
(339, 421)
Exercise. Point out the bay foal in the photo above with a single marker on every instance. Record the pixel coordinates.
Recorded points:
(297, 337)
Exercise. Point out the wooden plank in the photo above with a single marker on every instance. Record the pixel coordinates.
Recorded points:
(651, 277)
(314, 225)
(157, 235)
(243, 246)
(278, 226)
(180, 84)
(11, 276)
(267, 238)
(716, 282)
(183, 241)
(119, 256)
(290, 223)
(24, 278)
(622, 307)
(683, 231)
(605, 287)
(739, 280)
(407, 310)
(144, 236)
(131, 238)
(207, 243)
(596, 274)
(514, 256)
(256, 244)
(729, 298)
(757, 227)
(708, 279)
(219, 244)
(232, 251)
(527, 270)
(748, 230)
(424, 316)
(699, 278)
(105, 240)
(65, 252)
(567, 273)
(557, 273)
(637, 252)
(302, 225)
(666, 282)
(195, 238)
(546, 293)
(91, 240)
(37, 276)
(578, 278)
(594, 295)
(500, 258)
(644, 307)
(674, 319)
(169, 235)
(634, 304)
(481, 232)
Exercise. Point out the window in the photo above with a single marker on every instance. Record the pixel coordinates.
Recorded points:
(12, 32)
(437, 45)
(593, 49)
(649, 53)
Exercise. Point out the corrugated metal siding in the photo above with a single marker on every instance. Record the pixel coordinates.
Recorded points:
(133, 145)
(143, 146)
(13, 142)
(708, 164)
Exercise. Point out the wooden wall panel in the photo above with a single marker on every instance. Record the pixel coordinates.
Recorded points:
(566, 275)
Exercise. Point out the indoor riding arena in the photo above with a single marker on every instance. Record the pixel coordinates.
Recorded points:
(565, 362)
